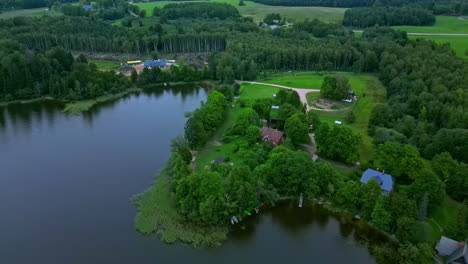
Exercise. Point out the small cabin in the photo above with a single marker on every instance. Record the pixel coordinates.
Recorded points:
(272, 135)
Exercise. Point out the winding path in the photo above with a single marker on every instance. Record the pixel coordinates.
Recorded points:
(301, 92)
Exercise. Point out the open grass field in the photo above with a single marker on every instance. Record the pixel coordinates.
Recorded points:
(443, 25)
(444, 217)
(107, 65)
(258, 11)
(459, 44)
(27, 12)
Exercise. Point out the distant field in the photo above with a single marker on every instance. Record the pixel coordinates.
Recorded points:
(26, 12)
(258, 11)
(107, 65)
(443, 25)
(459, 44)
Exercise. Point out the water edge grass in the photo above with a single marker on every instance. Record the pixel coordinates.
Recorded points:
(157, 213)
(78, 107)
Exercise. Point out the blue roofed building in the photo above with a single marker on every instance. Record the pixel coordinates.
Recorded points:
(384, 180)
(87, 7)
(152, 64)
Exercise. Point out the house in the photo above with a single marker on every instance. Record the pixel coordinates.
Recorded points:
(384, 180)
(152, 64)
(456, 252)
(87, 7)
(272, 135)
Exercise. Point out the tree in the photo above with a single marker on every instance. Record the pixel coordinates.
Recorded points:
(371, 192)
(453, 174)
(350, 117)
(406, 230)
(415, 254)
(380, 216)
(181, 146)
(154, 55)
(349, 196)
(338, 143)
(241, 3)
(286, 111)
(296, 129)
(426, 183)
(263, 107)
(401, 161)
(335, 88)
(242, 190)
(252, 135)
(134, 76)
(201, 198)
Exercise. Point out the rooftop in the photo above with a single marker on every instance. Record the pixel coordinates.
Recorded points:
(384, 180)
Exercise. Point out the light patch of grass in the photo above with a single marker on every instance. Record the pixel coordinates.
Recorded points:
(459, 44)
(256, 91)
(27, 12)
(446, 214)
(106, 65)
(443, 25)
(157, 212)
(259, 11)
(78, 107)
(295, 80)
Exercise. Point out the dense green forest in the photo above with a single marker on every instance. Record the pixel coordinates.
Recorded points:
(420, 132)
(387, 16)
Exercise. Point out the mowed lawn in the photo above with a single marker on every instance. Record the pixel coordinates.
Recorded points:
(443, 25)
(259, 11)
(370, 92)
(458, 44)
(106, 65)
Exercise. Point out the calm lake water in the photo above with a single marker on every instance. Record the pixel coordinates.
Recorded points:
(66, 181)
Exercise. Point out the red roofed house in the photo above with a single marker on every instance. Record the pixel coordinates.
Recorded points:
(272, 135)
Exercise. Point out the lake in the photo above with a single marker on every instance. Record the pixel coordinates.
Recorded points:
(66, 183)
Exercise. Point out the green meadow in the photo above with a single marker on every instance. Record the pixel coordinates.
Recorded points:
(27, 12)
(443, 25)
(458, 43)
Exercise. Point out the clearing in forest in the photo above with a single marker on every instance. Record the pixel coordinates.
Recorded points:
(259, 11)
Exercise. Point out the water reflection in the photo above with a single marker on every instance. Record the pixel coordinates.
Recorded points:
(20, 116)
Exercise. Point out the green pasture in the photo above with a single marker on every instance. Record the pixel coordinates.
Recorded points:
(443, 25)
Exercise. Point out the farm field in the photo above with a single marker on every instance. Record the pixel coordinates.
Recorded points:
(27, 12)
(258, 11)
(107, 65)
(443, 25)
(459, 44)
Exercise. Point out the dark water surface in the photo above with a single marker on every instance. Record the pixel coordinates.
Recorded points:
(65, 184)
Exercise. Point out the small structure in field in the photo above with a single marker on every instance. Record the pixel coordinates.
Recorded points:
(153, 64)
(456, 252)
(338, 122)
(220, 161)
(272, 135)
(135, 62)
(274, 107)
(87, 7)
(384, 180)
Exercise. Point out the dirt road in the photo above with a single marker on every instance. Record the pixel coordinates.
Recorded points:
(301, 92)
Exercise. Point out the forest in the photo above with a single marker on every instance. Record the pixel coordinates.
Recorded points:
(387, 16)
(419, 130)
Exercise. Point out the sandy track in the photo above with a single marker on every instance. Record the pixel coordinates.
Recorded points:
(301, 92)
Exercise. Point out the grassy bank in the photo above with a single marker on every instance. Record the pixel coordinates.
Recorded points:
(157, 213)
(76, 108)
(26, 101)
